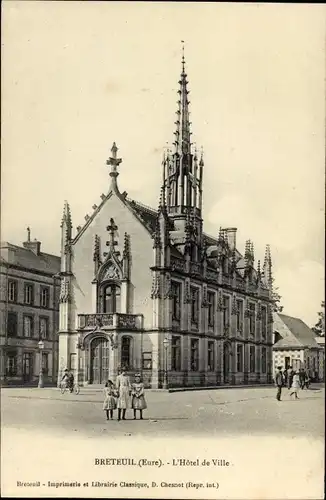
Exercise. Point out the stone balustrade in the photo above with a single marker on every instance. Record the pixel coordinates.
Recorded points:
(110, 321)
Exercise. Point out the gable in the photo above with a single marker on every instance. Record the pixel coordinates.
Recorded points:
(294, 332)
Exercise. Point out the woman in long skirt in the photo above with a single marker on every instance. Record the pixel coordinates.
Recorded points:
(109, 403)
(124, 390)
(138, 401)
(295, 386)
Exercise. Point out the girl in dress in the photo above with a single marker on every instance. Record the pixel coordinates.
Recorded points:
(124, 389)
(138, 401)
(109, 403)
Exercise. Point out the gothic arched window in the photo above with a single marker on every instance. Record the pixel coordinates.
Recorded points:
(126, 347)
(111, 298)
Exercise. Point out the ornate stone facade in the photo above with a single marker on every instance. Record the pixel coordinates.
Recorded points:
(182, 307)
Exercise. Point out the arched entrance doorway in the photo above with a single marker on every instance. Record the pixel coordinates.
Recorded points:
(99, 360)
(226, 362)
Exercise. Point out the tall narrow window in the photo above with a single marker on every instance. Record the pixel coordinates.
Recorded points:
(252, 319)
(239, 315)
(263, 321)
(45, 362)
(211, 308)
(45, 297)
(176, 353)
(239, 358)
(126, 351)
(176, 299)
(194, 305)
(11, 366)
(252, 361)
(29, 293)
(111, 299)
(12, 291)
(44, 328)
(263, 360)
(12, 324)
(194, 355)
(147, 360)
(210, 356)
(226, 311)
(28, 326)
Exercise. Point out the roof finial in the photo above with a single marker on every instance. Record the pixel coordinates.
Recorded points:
(114, 162)
(183, 57)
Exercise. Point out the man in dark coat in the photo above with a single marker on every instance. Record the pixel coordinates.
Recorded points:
(301, 377)
(279, 382)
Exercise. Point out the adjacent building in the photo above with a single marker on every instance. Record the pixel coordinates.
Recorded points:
(149, 289)
(321, 357)
(295, 345)
(29, 303)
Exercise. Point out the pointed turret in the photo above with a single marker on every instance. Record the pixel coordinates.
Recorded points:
(96, 254)
(66, 237)
(126, 257)
(114, 162)
(267, 268)
(66, 220)
(182, 173)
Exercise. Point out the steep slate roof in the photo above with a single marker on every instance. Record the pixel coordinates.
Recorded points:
(147, 214)
(23, 257)
(294, 332)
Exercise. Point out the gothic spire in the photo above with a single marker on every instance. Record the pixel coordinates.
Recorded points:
(267, 268)
(182, 134)
(66, 216)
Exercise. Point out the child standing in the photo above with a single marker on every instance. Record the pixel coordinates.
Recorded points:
(295, 386)
(138, 401)
(109, 403)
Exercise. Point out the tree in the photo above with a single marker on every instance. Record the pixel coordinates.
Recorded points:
(319, 327)
(276, 298)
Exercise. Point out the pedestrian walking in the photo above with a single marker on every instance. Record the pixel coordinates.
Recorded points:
(279, 379)
(138, 401)
(301, 378)
(295, 385)
(124, 391)
(110, 403)
(289, 377)
(306, 380)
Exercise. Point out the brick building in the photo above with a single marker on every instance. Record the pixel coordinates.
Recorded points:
(29, 308)
(151, 290)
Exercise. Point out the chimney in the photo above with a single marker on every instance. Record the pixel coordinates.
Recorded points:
(231, 236)
(34, 246)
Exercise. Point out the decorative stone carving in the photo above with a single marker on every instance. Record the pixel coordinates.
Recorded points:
(234, 309)
(187, 293)
(111, 272)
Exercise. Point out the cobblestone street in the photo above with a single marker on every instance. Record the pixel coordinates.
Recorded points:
(53, 437)
(212, 412)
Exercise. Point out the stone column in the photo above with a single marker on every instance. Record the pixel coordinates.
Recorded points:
(124, 296)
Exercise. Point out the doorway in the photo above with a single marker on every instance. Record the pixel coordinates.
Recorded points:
(99, 360)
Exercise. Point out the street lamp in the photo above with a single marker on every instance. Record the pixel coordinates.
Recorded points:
(166, 345)
(40, 378)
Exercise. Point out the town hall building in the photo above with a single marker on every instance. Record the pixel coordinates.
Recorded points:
(148, 289)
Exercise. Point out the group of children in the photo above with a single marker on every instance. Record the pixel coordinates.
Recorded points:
(123, 396)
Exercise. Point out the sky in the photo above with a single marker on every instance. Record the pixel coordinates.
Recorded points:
(77, 76)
